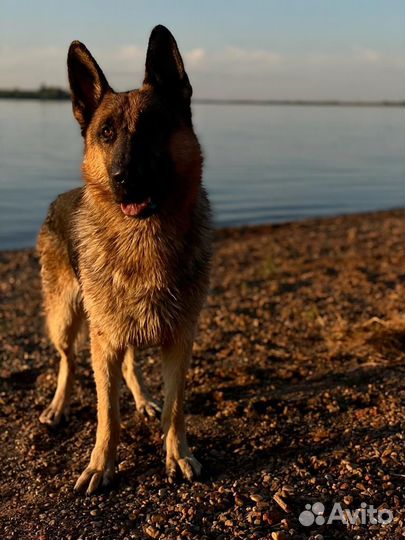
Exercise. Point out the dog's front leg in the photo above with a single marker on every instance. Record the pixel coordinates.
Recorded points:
(175, 360)
(107, 362)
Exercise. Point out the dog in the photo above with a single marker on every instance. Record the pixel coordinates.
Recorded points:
(129, 253)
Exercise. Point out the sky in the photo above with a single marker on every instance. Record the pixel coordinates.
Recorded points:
(268, 49)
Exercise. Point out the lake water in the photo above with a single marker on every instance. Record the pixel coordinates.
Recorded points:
(263, 163)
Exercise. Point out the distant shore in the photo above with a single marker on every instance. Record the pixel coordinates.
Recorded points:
(50, 93)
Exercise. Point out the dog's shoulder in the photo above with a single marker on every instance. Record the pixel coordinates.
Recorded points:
(60, 211)
(59, 224)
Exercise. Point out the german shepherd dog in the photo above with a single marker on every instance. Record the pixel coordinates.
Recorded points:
(130, 251)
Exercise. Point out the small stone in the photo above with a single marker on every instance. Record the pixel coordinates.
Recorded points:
(271, 517)
(279, 535)
(348, 500)
(151, 531)
(157, 518)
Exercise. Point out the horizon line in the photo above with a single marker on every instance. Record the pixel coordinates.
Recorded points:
(54, 93)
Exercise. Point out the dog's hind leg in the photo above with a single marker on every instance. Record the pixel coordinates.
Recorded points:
(64, 314)
(131, 371)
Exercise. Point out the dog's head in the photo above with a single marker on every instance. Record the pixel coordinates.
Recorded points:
(140, 149)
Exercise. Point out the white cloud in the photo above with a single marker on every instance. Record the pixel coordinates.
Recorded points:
(368, 55)
(259, 57)
(231, 59)
(130, 52)
(358, 73)
(23, 58)
(361, 56)
(195, 57)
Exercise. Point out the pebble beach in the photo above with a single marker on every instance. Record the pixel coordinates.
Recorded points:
(295, 396)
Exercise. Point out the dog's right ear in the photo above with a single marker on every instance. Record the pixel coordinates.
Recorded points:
(87, 83)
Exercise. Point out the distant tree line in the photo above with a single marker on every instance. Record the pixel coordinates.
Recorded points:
(43, 92)
(55, 93)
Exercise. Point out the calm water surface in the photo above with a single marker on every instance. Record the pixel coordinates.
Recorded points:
(262, 163)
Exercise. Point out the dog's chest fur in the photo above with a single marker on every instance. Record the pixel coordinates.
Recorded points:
(142, 280)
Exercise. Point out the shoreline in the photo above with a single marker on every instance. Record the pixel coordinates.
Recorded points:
(222, 232)
(60, 94)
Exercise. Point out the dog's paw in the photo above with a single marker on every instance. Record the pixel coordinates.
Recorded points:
(94, 477)
(148, 408)
(99, 472)
(189, 467)
(53, 414)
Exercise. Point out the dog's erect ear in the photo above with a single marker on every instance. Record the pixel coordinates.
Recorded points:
(87, 83)
(164, 68)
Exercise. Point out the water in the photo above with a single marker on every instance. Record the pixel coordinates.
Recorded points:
(263, 163)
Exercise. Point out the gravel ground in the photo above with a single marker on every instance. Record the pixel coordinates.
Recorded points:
(295, 396)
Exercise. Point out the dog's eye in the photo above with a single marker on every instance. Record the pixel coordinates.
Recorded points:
(107, 133)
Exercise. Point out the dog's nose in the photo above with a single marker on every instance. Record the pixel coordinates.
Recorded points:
(118, 175)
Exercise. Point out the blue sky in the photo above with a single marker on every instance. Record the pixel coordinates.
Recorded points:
(347, 49)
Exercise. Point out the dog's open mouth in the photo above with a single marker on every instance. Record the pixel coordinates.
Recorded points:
(138, 209)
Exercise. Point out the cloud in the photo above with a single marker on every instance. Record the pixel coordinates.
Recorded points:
(357, 73)
(360, 72)
(231, 59)
(22, 58)
(195, 57)
(360, 56)
(130, 52)
(367, 55)
(259, 57)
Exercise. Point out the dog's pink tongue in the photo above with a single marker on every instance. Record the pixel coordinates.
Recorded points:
(134, 209)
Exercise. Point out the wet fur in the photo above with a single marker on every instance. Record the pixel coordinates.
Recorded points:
(137, 282)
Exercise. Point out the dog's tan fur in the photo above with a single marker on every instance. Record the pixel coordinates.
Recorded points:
(138, 282)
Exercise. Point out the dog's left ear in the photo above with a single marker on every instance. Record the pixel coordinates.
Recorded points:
(164, 68)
